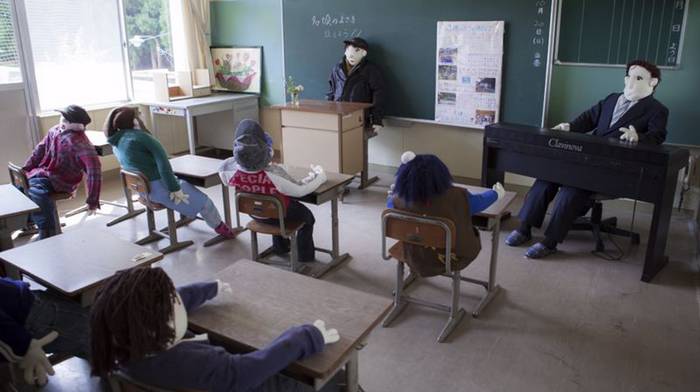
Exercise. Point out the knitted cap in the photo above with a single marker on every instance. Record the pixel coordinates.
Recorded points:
(250, 146)
(75, 114)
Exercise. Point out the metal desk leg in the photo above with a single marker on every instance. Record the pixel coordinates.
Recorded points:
(227, 218)
(190, 133)
(5, 238)
(491, 288)
(336, 257)
(131, 212)
(365, 181)
(352, 377)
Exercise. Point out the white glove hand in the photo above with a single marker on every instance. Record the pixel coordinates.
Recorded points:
(391, 190)
(499, 190)
(563, 127)
(180, 197)
(223, 287)
(35, 364)
(91, 211)
(629, 134)
(329, 335)
(377, 128)
(317, 169)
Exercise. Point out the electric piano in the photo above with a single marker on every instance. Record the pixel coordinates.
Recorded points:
(637, 171)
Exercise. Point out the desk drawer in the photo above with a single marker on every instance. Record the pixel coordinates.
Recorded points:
(310, 120)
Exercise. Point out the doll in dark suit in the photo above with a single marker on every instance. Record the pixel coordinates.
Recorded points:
(632, 116)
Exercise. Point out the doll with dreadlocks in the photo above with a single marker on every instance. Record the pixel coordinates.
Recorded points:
(139, 326)
(424, 185)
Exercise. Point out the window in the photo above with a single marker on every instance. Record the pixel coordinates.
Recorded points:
(77, 52)
(9, 59)
(154, 40)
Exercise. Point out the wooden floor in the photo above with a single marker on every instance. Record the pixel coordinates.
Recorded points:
(571, 322)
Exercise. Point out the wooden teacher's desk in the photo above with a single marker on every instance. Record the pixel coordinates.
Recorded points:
(266, 301)
(326, 133)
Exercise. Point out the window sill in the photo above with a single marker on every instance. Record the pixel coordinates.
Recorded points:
(89, 108)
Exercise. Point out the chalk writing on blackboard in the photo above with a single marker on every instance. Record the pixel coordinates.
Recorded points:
(344, 34)
(332, 20)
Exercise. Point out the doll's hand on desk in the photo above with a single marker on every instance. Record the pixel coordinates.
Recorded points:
(223, 288)
(35, 364)
(499, 190)
(629, 134)
(566, 127)
(329, 335)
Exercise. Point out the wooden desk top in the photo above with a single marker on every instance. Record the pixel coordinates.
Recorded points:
(328, 107)
(266, 301)
(14, 202)
(327, 190)
(496, 209)
(199, 101)
(77, 260)
(196, 165)
(99, 140)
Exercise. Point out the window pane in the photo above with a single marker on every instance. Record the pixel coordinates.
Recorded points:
(9, 60)
(77, 52)
(149, 41)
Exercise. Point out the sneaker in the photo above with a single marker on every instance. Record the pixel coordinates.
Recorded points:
(516, 238)
(225, 231)
(538, 251)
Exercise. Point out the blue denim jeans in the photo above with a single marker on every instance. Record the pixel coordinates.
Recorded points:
(40, 190)
(51, 312)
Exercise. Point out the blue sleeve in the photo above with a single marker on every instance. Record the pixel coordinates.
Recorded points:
(294, 344)
(194, 295)
(481, 201)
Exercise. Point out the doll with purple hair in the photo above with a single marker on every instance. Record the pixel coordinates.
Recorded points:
(424, 185)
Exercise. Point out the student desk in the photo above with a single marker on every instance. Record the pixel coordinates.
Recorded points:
(327, 133)
(103, 148)
(204, 172)
(266, 301)
(14, 210)
(490, 219)
(331, 190)
(243, 106)
(76, 262)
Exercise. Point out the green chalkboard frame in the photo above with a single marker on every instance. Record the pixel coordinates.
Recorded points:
(558, 29)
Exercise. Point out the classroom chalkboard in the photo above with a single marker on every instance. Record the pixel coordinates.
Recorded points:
(617, 31)
(402, 39)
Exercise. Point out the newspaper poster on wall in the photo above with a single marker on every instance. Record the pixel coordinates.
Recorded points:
(468, 73)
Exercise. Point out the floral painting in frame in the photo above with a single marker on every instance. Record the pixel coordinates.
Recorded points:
(237, 68)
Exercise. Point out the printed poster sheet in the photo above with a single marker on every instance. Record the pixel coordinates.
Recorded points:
(468, 73)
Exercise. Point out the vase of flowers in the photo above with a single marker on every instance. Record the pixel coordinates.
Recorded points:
(294, 90)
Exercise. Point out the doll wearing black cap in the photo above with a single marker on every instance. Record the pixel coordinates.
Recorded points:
(356, 79)
(58, 164)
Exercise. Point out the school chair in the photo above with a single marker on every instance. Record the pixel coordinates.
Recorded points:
(430, 232)
(597, 225)
(121, 382)
(268, 207)
(136, 182)
(19, 178)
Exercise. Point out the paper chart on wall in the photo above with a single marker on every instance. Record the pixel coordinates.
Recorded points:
(468, 73)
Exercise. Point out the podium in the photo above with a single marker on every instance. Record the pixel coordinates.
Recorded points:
(326, 133)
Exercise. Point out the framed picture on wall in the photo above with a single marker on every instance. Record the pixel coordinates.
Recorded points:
(237, 68)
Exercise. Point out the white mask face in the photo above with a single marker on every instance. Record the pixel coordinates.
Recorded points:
(639, 84)
(354, 55)
(179, 320)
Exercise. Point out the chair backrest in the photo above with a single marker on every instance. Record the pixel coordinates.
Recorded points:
(135, 182)
(261, 206)
(18, 177)
(121, 382)
(422, 230)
